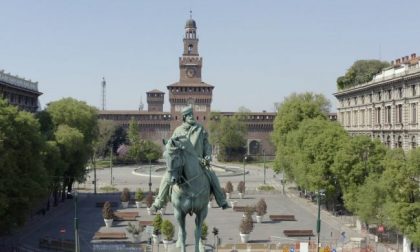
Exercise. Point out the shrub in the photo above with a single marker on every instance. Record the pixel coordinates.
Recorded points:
(157, 223)
(228, 187)
(261, 207)
(107, 212)
(204, 231)
(139, 195)
(149, 199)
(266, 188)
(246, 225)
(125, 195)
(249, 211)
(241, 187)
(132, 229)
(167, 229)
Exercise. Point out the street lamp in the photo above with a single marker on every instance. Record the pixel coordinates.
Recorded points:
(76, 225)
(318, 221)
(264, 164)
(150, 175)
(110, 164)
(245, 158)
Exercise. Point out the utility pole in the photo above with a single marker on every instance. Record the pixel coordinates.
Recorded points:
(94, 174)
(318, 221)
(110, 164)
(264, 164)
(244, 166)
(76, 225)
(150, 175)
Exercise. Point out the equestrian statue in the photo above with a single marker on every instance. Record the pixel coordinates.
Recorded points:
(188, 180)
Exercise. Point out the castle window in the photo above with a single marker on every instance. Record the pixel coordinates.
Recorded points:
(388, 114)
(379, 96)
(190, 47)
(399, 113)
(413, 90)
(413, 142)
(400, 92)
(378, 116)
(370, 97)
(413, 112)
(389, 94)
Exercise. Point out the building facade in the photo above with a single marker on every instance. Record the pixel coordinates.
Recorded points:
(19, 92)
(386, 108)
(190, 89)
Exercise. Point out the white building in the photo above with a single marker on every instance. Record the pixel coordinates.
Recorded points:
(387, 107)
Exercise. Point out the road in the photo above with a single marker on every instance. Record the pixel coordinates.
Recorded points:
(61, 218)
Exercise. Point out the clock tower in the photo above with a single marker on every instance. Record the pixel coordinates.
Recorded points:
(190, 90)
(190, 63)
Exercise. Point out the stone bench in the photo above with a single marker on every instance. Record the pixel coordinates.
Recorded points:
(101, 204)
(254, 247)
(55, 244)
(146, 223)
(241, 208)
(298, 233)
(125, 216)
(282, 217)
(109, 235)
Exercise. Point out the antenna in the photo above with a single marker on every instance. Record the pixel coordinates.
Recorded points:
(141, 106)
(103, 93)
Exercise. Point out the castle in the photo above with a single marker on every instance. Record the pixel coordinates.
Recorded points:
(155, 124)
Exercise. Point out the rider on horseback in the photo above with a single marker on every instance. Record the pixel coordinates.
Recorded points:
(199, 138)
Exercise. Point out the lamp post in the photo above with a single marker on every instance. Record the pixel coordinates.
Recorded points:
(150, 175)
(110, 164)
(245, 158)
(76, 225)
(318, 221)
(264, 164)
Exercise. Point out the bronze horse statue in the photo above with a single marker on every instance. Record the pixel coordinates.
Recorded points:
(190, 187)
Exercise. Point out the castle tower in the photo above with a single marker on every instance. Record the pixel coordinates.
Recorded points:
(155, 99)
(190, 90)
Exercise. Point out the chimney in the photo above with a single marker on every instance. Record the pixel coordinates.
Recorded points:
(413, 56)
(397, 61)
(406, 58)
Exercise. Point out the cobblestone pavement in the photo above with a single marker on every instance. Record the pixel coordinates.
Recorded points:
(61, 218)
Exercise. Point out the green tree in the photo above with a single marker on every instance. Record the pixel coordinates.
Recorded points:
(23, 180)
(361, 71)
(119, 138)
(228, 133)
(360, 157)
(135, 150)
(56, 167)
(400, 180)
(315, 144)
(73, 118)
(107, 130)
(291, 112)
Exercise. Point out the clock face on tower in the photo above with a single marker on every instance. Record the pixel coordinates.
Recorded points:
(190, 72)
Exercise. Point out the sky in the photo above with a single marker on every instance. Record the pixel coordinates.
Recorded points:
(255, 52)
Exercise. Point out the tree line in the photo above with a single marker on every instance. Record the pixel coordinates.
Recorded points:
(378, 184)
(43, 154)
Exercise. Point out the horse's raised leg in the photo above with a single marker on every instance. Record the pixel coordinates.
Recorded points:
(199, 219)
(180, 217)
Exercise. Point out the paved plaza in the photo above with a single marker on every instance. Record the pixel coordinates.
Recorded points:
(58, 223)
